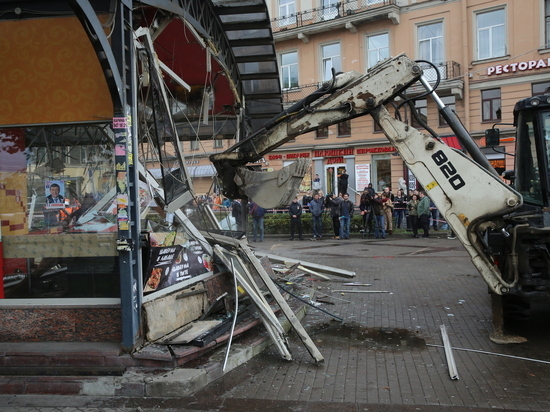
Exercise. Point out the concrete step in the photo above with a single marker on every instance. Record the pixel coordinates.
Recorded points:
(136, 381)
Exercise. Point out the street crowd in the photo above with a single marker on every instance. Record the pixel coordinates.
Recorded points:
(381, 213)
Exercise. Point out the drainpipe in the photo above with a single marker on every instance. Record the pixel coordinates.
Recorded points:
(466, 60)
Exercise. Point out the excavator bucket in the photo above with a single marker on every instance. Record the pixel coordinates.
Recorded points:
(272, 189)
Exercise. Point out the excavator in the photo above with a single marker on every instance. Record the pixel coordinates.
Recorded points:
(505, 228)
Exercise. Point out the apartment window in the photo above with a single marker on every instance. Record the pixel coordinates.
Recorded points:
(421, 108)
(331, 59)
(289, 70)
(540, 88)
(430, 42)
(547, 22)
(344, 128)
(377, 128)
(378, 48)
(194, 144)
(218, 143)
(287, 8)
(450, 102)
(330, 9)
(490, 105)
(491, 34)
(322, 133)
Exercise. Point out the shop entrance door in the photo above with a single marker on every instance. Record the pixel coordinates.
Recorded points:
(381, 171)
(332, 173)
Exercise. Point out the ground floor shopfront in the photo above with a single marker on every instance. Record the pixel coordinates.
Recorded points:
(379, 165)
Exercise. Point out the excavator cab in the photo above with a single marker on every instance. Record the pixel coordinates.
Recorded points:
(523, 255)
(532, 121)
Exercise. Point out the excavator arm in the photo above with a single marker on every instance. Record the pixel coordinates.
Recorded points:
(347, 96)
(466, 190)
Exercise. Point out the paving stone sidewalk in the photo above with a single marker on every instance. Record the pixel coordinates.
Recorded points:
(386, 355)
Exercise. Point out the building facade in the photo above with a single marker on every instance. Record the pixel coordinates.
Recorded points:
(488, 55)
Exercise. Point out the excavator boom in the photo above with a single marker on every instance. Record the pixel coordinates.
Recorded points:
(457, 185)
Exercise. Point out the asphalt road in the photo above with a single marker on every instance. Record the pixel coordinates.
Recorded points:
(386, 354)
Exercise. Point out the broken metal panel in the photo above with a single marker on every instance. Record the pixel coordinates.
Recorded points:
(312, 266)
(157, 131)
(453, 372)
(301, 332)
(168, 313)
(269, 319)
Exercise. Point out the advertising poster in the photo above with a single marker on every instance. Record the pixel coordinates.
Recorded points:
(362, 176)
(170, 265)
(55, 194)
(306, 182)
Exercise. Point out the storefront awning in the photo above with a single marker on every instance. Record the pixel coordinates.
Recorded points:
(201, 171)
(193, 171)
(452, 141)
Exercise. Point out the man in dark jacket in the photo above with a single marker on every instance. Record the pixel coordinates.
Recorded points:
(236, 212)
(424, 213)
(295, 212)
(316, 207)
(343, 182)
(305, 201)
(346, 213)
(334, 203)
(379, 224)
(366, 210)
(258, 214)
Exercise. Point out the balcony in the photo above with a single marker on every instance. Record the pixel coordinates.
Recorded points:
(450, 83)
(338, 15)
(295, 94)
(450, 80)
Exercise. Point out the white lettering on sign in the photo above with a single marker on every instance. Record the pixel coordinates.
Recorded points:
(521, 66)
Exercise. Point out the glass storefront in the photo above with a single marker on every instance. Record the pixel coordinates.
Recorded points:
(58, 211)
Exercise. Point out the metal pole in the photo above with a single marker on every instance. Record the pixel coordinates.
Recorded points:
(461, 133)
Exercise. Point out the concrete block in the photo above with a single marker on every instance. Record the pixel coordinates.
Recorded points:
(103, 386)
(176, 383)
(130, 389)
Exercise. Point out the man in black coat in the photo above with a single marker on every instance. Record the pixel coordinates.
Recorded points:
(343, 182)
(295, 212)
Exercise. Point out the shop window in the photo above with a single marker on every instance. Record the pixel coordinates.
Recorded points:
(490, 105)
(381, 171)
(540, 88)
(59, 213)
(321, 133)
(194, 145)
(344, 128)
(218, 143)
